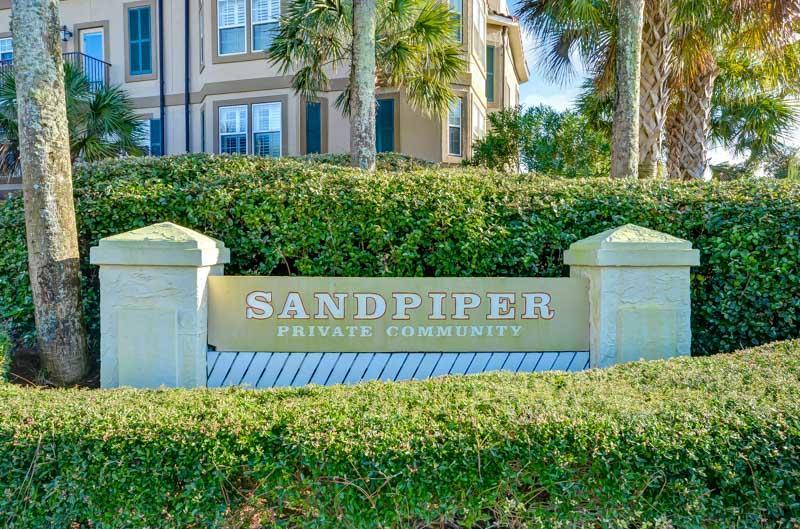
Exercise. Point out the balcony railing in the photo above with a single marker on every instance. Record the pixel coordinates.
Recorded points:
(96, 71)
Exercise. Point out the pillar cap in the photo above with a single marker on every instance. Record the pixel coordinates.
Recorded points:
(163, 244)
(632, 245)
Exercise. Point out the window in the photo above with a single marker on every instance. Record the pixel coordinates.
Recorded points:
(313, 127)
(231, 25)
(265, 22)
(478, 122)
(6, 49)
(454, 128)
(479, 21)
(267, 129)
(384, 125)
(456, 7)
(149, 136)
(490, 74)
(140, 43)
(202, 48)
(233, 129)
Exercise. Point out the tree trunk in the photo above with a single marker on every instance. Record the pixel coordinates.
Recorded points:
(47, 190)
(654, 88)
(696, 123)
(625, 135)
(362, 85)
(674, 126)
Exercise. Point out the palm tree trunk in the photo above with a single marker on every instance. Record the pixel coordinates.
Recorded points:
(362, 76)
(674, 129)
(47, 190)
(654, 88)
(696, 118)
(625, 134)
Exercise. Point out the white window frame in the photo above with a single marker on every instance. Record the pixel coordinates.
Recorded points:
(273, 18)
(256, 130)
(246, 132)
(220, 27)
(10, 41)
(459, 103)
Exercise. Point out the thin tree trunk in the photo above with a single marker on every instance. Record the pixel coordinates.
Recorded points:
(696, 119)
(654, 96)
(362, 96)
(47, 190)
(625, 134)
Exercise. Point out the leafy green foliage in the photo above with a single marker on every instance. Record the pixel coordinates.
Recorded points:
(545, 141)
(707, 443)
(5, 355)
(415, 49)
(102, 122)
(285, 216)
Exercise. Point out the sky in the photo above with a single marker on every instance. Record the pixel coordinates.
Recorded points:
(562, 96)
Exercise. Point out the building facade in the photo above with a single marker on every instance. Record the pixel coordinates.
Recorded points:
(198, 77)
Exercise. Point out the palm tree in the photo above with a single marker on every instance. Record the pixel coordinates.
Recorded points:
(681, 40)
(42, 137)
(414, 49)
(101, 120)
(625, 132)
(362, 99)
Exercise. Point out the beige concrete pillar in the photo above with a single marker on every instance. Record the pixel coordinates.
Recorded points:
(153, 305)
(640, 306)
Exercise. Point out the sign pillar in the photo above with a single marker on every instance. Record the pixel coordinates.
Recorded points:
(640, 306)
(154, 305)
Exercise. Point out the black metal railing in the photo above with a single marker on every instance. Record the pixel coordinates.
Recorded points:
(96, 70)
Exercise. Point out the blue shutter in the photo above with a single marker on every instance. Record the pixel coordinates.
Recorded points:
(384, 125)
(313, 128)
(490, 74)
(140, 45)
(155, 137)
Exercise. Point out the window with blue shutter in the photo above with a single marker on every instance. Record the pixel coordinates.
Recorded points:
(313, 127)
(140, 45)
(384, 125)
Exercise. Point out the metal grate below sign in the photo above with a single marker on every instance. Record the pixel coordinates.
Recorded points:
(272, 370)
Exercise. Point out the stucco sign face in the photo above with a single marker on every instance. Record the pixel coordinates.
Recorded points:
(318, 314)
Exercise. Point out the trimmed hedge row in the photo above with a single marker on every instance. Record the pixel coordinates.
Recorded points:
(710, 442)
(306, 217)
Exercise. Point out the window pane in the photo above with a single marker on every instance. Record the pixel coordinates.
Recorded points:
(456, 6)
(144, 22)
(230, 13)
(234, 144)
(313, 128)
(263, 35)
(454, 116)
(267, 144)
(266, 10)
(455, 141)
(231, 41)
(267, 117)
(233, 120)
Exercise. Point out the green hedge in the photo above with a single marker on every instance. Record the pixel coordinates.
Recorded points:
(711, 442)
(5, 356)
(300, 217)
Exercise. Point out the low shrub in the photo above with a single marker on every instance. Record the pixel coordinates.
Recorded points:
(310, 218)
(710, 442)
